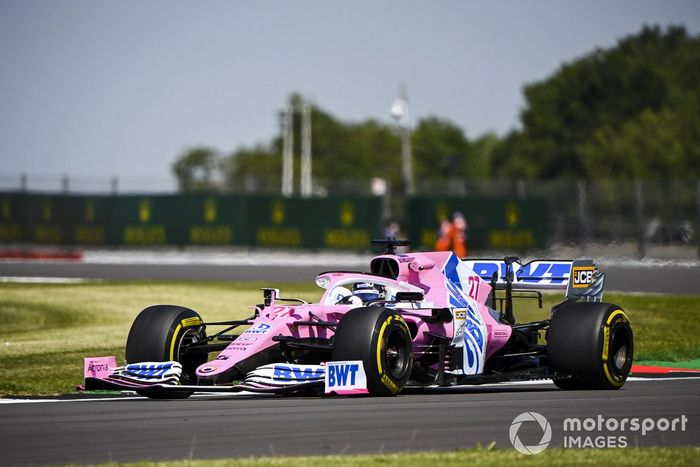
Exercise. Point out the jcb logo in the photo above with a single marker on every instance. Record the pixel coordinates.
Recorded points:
(583, 276)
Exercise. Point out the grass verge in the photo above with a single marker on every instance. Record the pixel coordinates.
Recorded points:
(47, 329)
(690, 364)
(668, 457)
(665, 326)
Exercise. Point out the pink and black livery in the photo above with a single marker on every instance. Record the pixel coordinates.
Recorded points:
(416, 320)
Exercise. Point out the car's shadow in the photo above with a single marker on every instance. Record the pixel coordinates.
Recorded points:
(483, 389)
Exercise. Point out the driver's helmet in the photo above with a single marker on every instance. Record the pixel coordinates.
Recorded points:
(368, 292)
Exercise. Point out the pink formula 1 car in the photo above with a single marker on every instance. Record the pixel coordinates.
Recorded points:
(414, 320)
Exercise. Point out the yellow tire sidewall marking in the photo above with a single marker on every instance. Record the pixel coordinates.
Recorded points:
(189, 322)
(380, 347)
(173, 340)
(606, 338)
(185, 323)
(380, 344)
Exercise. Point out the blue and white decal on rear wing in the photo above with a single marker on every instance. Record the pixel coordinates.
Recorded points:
(538, 274)
(587, 283)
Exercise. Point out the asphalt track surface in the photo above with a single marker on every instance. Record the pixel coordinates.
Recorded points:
(671, 279)
(134, 429)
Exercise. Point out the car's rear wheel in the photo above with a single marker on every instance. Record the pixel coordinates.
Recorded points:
(380, 338)
(590, 346)
(164, 333)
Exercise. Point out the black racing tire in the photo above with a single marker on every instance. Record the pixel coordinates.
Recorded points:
(567, 384)
(593, 343)
(381, 339)
(161, 333)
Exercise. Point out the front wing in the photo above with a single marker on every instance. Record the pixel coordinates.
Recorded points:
(275, 378)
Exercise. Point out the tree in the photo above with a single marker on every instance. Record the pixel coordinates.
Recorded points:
(601, 102)
(253, 170)
(440, 149)
(629, 111)
(647, 146)
(345, 156)
(481, 154)
(194, 169)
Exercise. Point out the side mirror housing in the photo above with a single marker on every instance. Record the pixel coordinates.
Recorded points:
(409, 296)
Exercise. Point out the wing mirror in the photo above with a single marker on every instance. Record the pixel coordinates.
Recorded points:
(409, 296)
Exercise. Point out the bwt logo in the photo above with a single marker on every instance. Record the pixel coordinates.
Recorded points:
(535, 272)
(338, 375)
(149, 371)
(295, 373)
(260, 328)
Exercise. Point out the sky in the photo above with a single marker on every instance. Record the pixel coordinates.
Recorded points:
(96, 89)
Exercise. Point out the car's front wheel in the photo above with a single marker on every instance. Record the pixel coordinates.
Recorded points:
(163, 333)
(380, 338)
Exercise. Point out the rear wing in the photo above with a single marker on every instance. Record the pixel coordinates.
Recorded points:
(581, 279)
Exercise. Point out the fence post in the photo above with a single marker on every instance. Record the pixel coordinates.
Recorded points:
(288, 151)
(639, 214)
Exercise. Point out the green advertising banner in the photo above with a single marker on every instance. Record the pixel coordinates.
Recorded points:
(336, 223)
(179, 220)
(44, 219)
(11, 215)
(262, 221)
(152, 220)
(87, 219)
(54, 219)
(493, 223)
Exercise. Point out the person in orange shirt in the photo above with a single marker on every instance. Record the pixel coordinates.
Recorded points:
(453, 235)
(459, 235)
